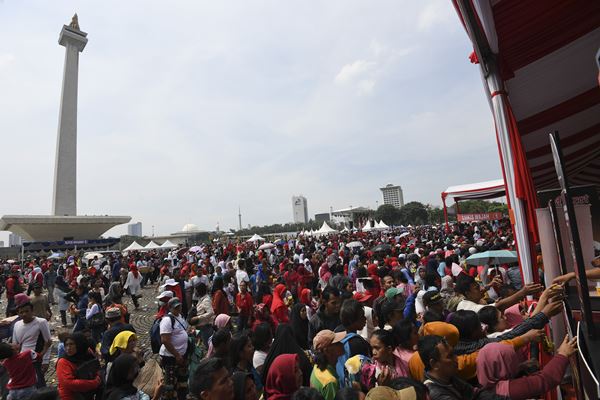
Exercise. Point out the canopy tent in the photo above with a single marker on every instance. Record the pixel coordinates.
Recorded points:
(537, 63)
(255, 238)
(367, 226)
(383, 225)
(473, 191)
(168, 245)
(151, 246)
(325, 229)
(134, 246)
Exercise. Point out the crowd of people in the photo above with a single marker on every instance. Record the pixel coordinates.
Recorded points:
(397, 314)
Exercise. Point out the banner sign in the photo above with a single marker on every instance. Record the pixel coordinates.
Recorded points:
(491, 216)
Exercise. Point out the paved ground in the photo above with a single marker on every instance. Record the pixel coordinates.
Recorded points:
(141, 319)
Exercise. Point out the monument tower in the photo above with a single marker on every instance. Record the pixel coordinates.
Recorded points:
(64, 201)
(64, 224)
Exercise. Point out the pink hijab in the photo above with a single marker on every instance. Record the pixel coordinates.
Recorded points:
(497, 364)
(513, 315)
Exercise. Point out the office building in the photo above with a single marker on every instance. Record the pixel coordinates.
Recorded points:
(300, 209)
(135, 229)
(392, 194)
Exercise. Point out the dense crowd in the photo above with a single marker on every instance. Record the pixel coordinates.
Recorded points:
(397, 314)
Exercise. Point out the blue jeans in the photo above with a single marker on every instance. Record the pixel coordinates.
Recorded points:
(21, 394)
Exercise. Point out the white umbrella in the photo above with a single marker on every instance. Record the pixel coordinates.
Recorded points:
(266, 246)
(405, 234)
(354, 244)
(54, 256)
(10, 261)
(89, 256)
(195, 249)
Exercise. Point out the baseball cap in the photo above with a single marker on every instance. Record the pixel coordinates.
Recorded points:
(174, 302)
(21, 299)
(113, 312)
(326, 338)
(393, 292)
(170, 282)
(165, 294)
(387, 393)
(362, 297)
(431, 297)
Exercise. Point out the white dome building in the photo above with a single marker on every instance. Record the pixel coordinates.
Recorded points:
(190, 228)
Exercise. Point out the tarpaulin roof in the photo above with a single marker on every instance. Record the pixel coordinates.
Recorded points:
(546, 55)
(476, 191)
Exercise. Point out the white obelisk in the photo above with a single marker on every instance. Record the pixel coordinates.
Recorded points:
(65, 172)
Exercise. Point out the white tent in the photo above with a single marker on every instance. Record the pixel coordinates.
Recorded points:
(383, 225)
(134, 246)
(325, 229)
(255, 238)
(168, 245)
(367, 227)
(151, 246)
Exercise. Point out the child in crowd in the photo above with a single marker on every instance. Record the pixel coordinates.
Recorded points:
(19, 366)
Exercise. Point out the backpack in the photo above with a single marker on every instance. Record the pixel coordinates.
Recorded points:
(155, 341)
(340, 368)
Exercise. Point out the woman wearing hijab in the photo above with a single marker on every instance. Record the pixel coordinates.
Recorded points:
(285, 343)
(120, 380)
(278, 308)
(244, 387)
(77, 372)
(284, 377)
(498, 366)
(299, 324)
(222, 321)
(133, 283)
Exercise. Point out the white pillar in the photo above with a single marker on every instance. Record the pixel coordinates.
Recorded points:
(64, 201)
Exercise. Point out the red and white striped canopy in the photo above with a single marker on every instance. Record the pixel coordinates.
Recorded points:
(546, 52)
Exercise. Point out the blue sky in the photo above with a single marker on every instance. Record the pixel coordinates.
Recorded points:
(189, 109)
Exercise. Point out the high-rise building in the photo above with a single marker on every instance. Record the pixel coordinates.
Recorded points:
(392, 194)
(300, 209)
(135, 229)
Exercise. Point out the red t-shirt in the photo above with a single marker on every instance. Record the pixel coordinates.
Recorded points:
(20, 370)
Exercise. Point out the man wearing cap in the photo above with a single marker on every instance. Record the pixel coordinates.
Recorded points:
(328, 348)
(174, 338)
(31, 333)
(434, 301)
(115, 326)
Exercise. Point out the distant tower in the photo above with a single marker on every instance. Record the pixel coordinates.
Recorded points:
(392, 194)
(240, 217)
(300, 209)
(64, 201)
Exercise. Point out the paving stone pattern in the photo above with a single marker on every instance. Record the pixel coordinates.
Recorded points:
(141, 320)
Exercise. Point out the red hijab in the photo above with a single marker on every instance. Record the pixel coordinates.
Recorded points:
(281, 378)
(134, 269)
(278, 297)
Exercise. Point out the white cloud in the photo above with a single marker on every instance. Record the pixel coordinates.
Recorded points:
(246, 106)
(353, 71)
(433, 15)
(6, 59)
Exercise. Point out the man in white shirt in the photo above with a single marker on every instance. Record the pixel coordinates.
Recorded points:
(32, 333)
(174, 338)
(473, 293)
(241, 275)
